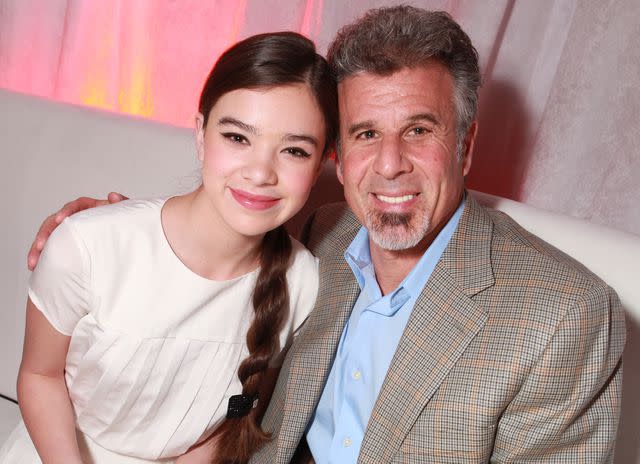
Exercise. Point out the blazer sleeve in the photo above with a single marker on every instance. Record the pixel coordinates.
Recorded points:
(569, 406)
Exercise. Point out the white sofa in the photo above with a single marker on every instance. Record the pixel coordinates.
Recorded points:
(53, 152)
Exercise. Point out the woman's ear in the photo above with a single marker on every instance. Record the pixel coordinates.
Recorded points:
(199, 134)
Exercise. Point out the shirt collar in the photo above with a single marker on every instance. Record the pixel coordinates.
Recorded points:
(415, 281)
(358, 256)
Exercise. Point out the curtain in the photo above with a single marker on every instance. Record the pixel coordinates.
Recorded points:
(558, 108)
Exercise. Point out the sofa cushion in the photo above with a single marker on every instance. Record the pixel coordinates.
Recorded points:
(9, 417)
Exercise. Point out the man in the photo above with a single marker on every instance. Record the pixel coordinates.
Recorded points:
(442, 332)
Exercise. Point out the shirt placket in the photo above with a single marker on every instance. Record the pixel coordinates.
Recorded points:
(349, 431)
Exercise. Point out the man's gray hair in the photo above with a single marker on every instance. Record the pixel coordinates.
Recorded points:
(386, 40)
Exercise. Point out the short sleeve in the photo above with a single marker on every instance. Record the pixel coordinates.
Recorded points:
(59, 285)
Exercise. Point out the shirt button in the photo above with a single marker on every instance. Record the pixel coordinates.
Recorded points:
(357, 375)
(347, 442)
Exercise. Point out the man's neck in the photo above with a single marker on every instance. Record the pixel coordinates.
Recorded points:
(393, 266)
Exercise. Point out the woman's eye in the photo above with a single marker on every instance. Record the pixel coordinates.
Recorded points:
(297, 152)
(236, 138)
(368, 134)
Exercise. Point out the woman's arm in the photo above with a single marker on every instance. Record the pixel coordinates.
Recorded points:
(42, 392)
(200, 454)
(203, 453)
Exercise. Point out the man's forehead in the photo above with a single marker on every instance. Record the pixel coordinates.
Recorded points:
(420, 89)
(429, 64)
(363, 78)
(432, 72)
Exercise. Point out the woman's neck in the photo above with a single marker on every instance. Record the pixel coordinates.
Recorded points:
(204, 242)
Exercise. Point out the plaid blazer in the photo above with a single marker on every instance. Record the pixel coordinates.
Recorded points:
(512, 353)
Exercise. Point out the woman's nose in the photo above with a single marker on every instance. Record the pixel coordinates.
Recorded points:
(260, 169)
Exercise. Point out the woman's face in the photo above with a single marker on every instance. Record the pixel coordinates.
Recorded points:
(261, 153)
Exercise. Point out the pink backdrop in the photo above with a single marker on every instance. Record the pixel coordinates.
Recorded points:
(558, 117)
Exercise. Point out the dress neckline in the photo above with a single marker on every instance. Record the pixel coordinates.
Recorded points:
(180, 264)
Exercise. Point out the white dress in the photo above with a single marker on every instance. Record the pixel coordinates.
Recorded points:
(154, 347)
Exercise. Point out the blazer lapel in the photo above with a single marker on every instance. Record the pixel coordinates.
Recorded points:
(443, 322)
(313, 351)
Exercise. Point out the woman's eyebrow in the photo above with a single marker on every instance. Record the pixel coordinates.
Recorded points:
(239, 124)
(301, 138)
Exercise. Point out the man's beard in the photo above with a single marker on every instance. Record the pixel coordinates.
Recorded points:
(395, 231)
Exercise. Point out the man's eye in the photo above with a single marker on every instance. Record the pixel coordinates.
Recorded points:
(297, 152)
(368, 134)
(419, 130)
(236, 138)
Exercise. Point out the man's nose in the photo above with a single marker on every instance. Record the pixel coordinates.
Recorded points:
(390, 161)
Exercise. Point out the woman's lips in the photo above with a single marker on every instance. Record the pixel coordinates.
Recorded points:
(252, 201)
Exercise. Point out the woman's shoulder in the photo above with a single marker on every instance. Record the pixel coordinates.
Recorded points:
(302, 279)
(126, 210)
(303, 274)
(302, 260)
(127, 214)
(119, 229)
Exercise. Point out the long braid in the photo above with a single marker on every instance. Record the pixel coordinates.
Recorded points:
(238, 438)
(266, 61)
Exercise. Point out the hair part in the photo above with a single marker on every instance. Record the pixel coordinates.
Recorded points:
(261, 62)
(271, 60)
(387, 40)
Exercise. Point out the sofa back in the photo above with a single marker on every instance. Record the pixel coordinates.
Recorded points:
(53, 152)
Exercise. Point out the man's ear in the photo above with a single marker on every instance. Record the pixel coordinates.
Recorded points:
(467, 150)
(199, 134)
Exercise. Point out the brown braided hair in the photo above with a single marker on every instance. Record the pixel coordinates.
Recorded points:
(266, 61)
(238, 438)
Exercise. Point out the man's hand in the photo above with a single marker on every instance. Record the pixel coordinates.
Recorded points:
(51, 222)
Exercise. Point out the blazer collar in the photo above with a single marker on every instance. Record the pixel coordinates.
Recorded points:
(467, 258)
(442, 324)
(444, 321)
(314, 349)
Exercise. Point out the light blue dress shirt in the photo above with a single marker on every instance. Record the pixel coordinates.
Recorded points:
(367, 345)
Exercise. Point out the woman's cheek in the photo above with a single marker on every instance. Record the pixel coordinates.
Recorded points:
(300, 181)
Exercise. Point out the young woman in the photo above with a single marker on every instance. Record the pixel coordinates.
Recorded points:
(152, 324)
